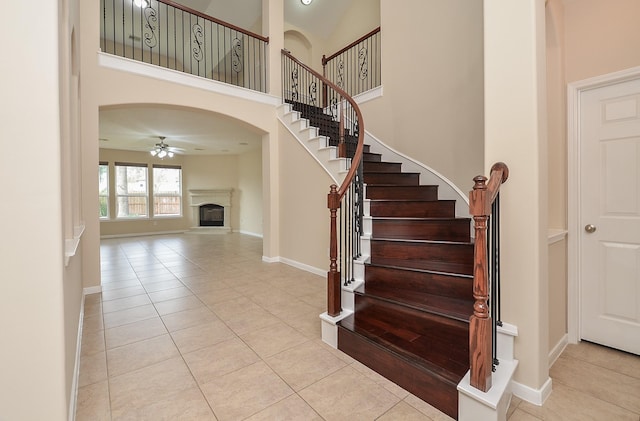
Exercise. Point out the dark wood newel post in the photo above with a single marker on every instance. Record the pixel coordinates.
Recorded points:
(480, 330)
(334, 306)
(481, 199)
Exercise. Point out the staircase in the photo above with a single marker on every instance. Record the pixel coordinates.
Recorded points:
(410, 320)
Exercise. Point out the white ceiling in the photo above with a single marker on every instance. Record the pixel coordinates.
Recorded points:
(196, 132)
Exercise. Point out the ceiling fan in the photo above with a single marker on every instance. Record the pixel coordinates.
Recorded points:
(163, 150)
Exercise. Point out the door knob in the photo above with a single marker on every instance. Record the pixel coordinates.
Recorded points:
(590, 228)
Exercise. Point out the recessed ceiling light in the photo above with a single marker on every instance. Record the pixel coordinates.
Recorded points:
(306, 2)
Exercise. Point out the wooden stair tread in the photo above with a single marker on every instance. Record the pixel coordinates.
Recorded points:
(443, 267)
(416, 347)
(458, 309)
(420, 270)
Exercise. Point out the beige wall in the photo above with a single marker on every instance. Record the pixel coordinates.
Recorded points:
(432, 76)
(304, 217)
(557, 161)
(362, 17)
(601, 37)
(249, 193)
(557, 292)
(39, 296)
(516, 133)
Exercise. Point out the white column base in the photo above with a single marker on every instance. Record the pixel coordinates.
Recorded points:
(330, 329)
(474, 405)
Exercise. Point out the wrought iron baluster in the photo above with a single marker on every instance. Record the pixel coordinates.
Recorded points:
(151, 23)
(236, 51)
(197, 42)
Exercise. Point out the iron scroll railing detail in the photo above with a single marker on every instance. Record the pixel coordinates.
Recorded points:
(170, 35)
(484, 206)
(339, 119)
(356, 67)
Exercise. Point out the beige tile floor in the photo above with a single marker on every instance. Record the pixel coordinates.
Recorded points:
(197, 327)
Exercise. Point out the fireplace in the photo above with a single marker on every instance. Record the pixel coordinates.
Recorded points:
(211, 215)
(211, 210)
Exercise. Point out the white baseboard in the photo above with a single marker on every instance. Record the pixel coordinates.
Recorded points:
(558, 349)
(534, 396)
(90, 290)
(73, 400)
(295, 264)
(142, 234)
(253, 234)
(305, 267)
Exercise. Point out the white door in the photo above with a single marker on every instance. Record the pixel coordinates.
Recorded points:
(610, 215)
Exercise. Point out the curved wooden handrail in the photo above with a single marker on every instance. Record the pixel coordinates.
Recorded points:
(342, 50)
(216, 20)
(334, 306)
(355, 161)
(480, 329)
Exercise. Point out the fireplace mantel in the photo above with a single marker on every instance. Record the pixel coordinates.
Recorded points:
(221, 197)
(199, 197)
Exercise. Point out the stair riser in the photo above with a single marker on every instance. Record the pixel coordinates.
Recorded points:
(412, 209)
(387, 167)
(433, 256)
(429, 283)
(447, 230)
(402, 179)
(428, 387)
(371, 157)
(402, 192)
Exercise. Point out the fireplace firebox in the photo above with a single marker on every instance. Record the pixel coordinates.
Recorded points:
(211, 215)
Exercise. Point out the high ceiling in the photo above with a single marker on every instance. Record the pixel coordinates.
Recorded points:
(196, 132)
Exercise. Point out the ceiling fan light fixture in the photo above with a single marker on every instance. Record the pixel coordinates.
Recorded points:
(306, 2)
(161, 150)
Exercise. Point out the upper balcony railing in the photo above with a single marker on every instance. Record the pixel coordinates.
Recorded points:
(167, 34)
(356, 67)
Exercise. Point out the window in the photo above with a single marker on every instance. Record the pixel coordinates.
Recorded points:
(103, 189)
(132, 192)
(167, 190)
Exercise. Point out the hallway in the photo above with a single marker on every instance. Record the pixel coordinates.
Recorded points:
(197, 327)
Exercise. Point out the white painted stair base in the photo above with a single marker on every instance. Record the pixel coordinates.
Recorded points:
(316, 144)
(474, 405)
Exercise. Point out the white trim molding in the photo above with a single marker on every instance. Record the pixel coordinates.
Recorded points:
(555, 235)
(162, 73)
(73, 399)
(558, 349)
(574, 92)
(531, 395)
(295, 264)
